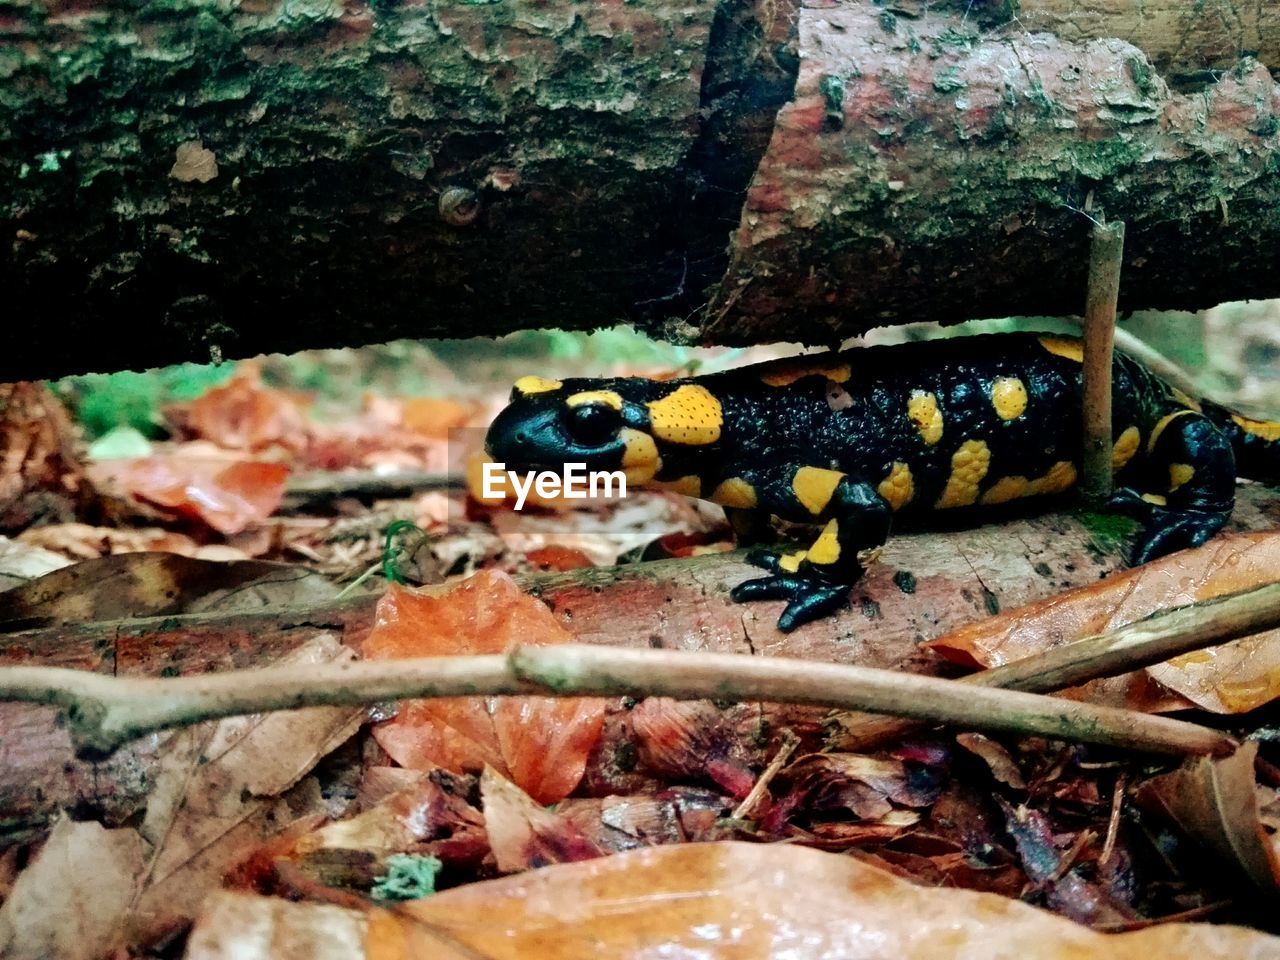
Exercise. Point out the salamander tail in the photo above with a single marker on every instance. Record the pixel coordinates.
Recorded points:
(1256, 443)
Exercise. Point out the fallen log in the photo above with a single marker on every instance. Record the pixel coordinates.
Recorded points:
(204, 178)
(925, 584)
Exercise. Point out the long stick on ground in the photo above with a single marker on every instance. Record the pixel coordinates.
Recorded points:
(1155, 639)
(104, 712)
(1105, 257)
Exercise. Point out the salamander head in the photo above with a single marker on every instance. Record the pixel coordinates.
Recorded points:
(604, 424)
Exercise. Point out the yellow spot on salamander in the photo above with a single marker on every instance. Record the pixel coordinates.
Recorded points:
(969, 466)
(640, 460)
(1068, 347)
(690, 415)
(786, 372)
(690, 486)
(898, 487)
(1185, 399)
(532, 384)
(814, 487)
(1162, 423)
(1180, 473)
(734, 492)
(1009, 397)
(1006, 489)
(790, 562)
(607, 397)
(1266, 429)
(923, 410)
(1124, 448)
(1155, 498)
(826, 549)
(1061, 477)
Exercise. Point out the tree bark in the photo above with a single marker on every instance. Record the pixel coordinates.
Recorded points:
(197, 178)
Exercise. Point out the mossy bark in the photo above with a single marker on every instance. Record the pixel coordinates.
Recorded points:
(191, 178)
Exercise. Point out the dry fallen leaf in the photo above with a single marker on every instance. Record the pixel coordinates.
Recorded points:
(1231, 678)
(239, 926)
(214, 789)
(70, 902)
(41, 477)
(524, 834)
(539, 743)
(1215, 800)
(155, 584)
(721, 901)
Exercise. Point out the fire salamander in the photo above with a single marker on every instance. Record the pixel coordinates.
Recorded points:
(845, 441)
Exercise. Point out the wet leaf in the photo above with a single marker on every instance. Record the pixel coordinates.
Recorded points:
(227, 495)
(155, 584)
(71, 901)
(1231, 678)
(1003, 767)
(539, 743)
(1215, 800)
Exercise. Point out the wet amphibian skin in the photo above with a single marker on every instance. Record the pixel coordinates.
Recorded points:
(846, 441)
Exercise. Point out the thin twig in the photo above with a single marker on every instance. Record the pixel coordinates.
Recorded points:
(104, 712)
(1105, 255)
(310, 488)
(789, 743)
(1113, 824)
(1166, 634)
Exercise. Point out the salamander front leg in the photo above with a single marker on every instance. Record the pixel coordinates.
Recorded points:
(816, 581)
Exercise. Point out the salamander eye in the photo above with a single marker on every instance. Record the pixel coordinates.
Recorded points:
(592, 424)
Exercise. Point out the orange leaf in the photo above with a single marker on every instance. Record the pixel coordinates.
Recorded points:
(434, 416)
(228, 495)
(735, 900)
(243, 414)
(1231, 678)
(539, 743)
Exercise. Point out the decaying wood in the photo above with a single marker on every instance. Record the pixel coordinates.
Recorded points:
(922, 172)
(198, 178)
(925, 585)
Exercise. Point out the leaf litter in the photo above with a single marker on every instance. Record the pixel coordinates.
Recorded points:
(613, 821)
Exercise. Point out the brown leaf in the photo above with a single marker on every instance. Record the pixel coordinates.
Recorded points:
(1215, 800)
(71, 900)
(539, 743)
(1003, 767)
(214, 790)
(734, 900)
(41, 477)
(155, 584)
(524, 834)
(238, 926)
(1231, 678)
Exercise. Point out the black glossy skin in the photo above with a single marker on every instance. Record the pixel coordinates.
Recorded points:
(861, 426)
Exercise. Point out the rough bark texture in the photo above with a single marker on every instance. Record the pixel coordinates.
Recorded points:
(925, 173)
(193, 177)
(925, 585)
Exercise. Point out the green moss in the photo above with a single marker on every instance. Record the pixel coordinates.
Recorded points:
(408, 877)
(1102, 159)
(832, 89)
(949, 80)
(888, 21)
(1108, 532)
